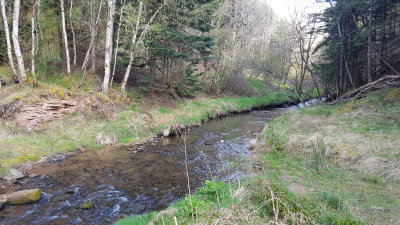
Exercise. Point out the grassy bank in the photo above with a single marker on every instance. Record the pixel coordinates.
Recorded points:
(328, 164)
(134, 122)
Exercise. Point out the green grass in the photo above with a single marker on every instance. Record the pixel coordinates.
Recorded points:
(329, 193)
(362, 129)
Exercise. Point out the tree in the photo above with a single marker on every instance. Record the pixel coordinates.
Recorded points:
(15, 38)
(65, 38)
(9, 45)
(94, 23)
(33, 32)
(73, 32)
(109, 45)
(361, 43)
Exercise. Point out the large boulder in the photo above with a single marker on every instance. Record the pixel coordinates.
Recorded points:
(22, 197)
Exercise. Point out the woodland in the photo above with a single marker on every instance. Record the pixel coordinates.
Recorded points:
(213, 46)
(79, 77)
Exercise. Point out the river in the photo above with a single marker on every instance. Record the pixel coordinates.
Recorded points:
(126, 181)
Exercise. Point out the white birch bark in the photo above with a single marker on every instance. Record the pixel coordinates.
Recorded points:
(17, 48)
(136, 42)
(8, 40)
(64, 33)
(33, 43)
(109, 45)
(73, 32)
(117, 42)
(134, 37)
(93, 31)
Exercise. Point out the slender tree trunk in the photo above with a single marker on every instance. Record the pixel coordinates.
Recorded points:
(369, 54)
(8, 40)
(135, 42)
(33, 43)
(94, 54)
(109, 45)
(73, 33)
(93, 31)
(132, 55)
(65, 38)
(117, 42)
(17, 48)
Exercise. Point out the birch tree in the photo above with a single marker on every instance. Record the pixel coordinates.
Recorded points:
(17, 48)
(9, 45)
(109, 45)
(65, 39)
(134, 36)
(93, 33)
(33, 30)
(73, 32)
(117, 41)
(136, 41)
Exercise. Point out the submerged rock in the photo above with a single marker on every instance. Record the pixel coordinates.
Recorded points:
(3, 202)
(23, 197)
(87, 206)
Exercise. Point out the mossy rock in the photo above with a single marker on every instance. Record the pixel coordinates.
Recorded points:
(87, 206)
(23, 197)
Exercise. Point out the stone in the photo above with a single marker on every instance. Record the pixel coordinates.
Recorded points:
(23, 197)
(33, 175)
(16, 174)
(253, 143)
(2, 82)
(87, 206)
(3, 202)
(222, 141)
(106, 139)
(166, 132)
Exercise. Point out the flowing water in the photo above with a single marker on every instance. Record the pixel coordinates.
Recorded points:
(123, 181)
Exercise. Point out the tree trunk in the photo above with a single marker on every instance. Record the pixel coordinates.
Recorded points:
(64, 33)
(17, 48)
(128, 69)
(109, 45)
(93, 31)
(33, 43)
(369, 66)
(73, 33)
(135, 42)
(117, 42)
(94, 54)
(8, 40)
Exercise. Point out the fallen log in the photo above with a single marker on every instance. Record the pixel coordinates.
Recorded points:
(381, 83)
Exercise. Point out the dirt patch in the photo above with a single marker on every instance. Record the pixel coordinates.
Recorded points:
(299, 189)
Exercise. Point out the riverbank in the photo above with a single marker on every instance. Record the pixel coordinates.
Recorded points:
(136, 122)
(327, 164)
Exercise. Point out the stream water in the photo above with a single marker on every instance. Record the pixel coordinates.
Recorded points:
(123, 181)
